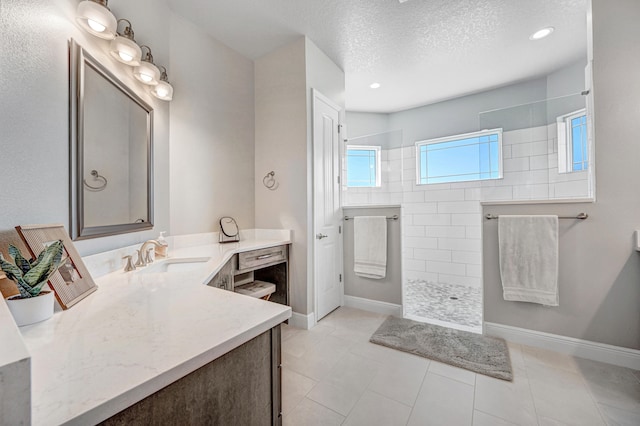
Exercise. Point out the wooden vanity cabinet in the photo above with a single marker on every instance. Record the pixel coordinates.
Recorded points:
(269, 264)
(242, 387)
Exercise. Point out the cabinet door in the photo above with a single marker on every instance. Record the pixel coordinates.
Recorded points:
(235, 389)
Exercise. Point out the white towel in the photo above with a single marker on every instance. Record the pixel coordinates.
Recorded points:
(370, 246)
(528, 248)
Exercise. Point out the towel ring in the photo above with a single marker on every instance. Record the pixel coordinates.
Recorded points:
(96, 176)
(269, 181)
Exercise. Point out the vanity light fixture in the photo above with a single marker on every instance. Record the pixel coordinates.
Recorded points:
(163, 90)
(540, 34)
(124, 48)
(147, 72)
(95, 17)
(375, 85)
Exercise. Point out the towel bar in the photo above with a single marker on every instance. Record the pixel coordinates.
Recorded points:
(394, 217)
(581, 216)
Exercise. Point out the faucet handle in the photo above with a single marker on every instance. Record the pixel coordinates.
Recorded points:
(149, 257)
(141, 261)
(129, 266)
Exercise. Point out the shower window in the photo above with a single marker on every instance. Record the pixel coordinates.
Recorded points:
(363, 166)
(466, 157)
(573, 154)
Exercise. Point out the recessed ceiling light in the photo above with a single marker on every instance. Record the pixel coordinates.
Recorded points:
(541, 33)
(375, 85)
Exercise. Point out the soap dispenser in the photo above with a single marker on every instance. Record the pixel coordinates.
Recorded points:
(163, 249)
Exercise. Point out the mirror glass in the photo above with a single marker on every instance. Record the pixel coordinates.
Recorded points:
(111, 138)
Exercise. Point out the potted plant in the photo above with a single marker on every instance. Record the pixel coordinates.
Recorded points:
(32, 304)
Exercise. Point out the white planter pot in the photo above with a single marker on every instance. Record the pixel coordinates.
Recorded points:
(33, 309)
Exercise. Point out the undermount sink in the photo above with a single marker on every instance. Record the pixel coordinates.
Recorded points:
(176, 264)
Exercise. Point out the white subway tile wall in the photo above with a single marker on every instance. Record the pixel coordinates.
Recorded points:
(442, 222)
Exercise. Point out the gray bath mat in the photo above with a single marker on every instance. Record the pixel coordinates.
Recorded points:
(475, 352)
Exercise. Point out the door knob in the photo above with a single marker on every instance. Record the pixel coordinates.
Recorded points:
(321, 236)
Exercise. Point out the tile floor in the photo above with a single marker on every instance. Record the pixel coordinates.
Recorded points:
(433, 301)
(332, 375)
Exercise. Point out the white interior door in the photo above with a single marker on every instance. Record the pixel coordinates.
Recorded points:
(327, 212)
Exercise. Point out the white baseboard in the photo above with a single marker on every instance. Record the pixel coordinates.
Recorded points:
(602, 352)
(373, 305)
(305, 322)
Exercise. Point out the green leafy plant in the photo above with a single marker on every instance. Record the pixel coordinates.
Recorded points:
(31, 275)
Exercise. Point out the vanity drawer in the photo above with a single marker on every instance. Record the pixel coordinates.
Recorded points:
(256, 259)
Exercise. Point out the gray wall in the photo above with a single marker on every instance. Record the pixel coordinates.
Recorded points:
(599, 279)
(283, 82)
(327, 78)
(281, 146)
(388, 289)
(212, 135)
(567, 80)
(462, 115)
(366, 123)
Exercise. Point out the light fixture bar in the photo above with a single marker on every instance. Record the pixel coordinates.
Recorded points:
(94, 17)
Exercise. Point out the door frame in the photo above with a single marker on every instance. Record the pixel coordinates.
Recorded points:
(316, 95)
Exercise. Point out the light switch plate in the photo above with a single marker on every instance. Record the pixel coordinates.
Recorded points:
(636, 240)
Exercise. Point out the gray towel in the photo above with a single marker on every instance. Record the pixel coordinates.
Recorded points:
(529, 258)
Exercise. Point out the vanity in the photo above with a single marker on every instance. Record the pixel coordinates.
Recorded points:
(167, 343)
(164, 346)
(244, 270)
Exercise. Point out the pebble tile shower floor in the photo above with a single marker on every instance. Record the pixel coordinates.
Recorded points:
(449, 303)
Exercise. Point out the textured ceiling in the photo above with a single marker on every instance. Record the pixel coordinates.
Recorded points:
(421, 51)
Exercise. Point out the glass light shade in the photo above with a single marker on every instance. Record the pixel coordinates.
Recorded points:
(96, 19)
(163, 90)
(147, 73)
(126, 51)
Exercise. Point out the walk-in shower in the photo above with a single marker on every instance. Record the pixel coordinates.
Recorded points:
(442, 175)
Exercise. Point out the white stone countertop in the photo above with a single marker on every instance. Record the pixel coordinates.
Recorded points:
(140, 332)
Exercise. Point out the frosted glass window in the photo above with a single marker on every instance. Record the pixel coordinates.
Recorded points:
(467, 157)
(363, 166)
